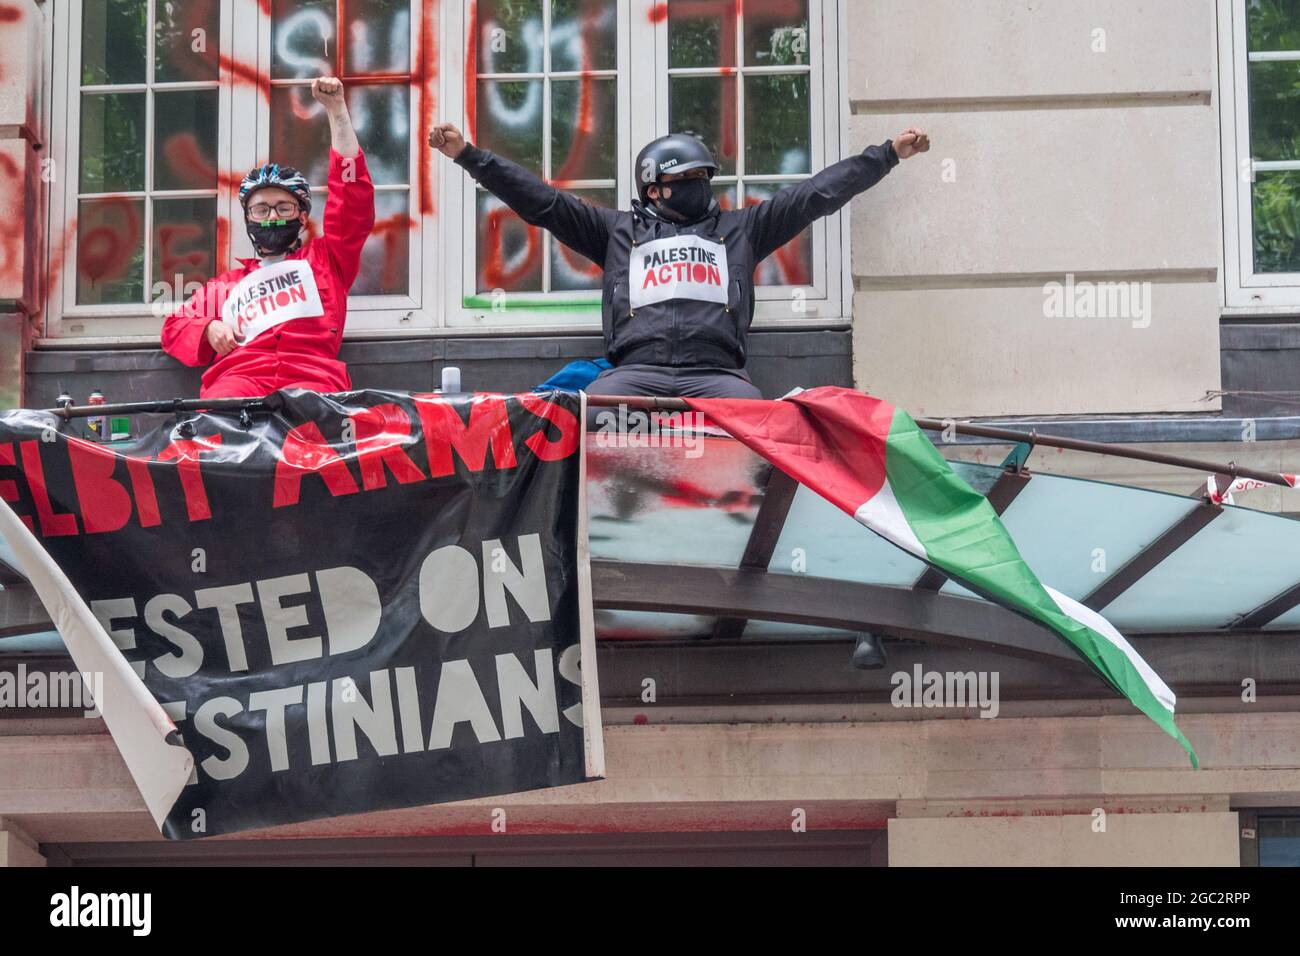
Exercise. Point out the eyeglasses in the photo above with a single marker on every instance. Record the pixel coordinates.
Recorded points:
(262, 211)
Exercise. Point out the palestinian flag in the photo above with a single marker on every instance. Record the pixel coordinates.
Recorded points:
(871, 460)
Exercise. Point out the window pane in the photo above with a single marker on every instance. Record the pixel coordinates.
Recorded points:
(378, 37)
(113, 46)
(1274, 24)
(300, 134)
(792, 263)
(181, 53)
(509, 251)
(185, 139)
(510, 36)
(386, 258)
(779, 37)
(706, 106)
(725, 194)
(184, 245)
(302, 38)
(1275, 110)
(110, 251)
(510, 120)
(701, 33)
(1279, 841)
(569, 270)
(1276, 204)
(778, 134)
(112, 142)
(381, 115)
(584, 129)
(584, 35)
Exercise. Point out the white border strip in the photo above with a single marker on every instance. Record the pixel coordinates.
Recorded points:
(592, 731)
(137, 722)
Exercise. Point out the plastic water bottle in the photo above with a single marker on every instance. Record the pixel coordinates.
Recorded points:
(98, 424)
(450, 380)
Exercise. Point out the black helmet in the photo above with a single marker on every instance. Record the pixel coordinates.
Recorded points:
(674, 153)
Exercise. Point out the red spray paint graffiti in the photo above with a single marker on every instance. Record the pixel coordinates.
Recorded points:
(104, 251)
(106, 248)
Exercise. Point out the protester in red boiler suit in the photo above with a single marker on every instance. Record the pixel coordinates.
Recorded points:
(277, 320)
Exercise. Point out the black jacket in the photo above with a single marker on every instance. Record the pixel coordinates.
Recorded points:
(676, 293)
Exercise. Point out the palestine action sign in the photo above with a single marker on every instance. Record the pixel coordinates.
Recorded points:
(271, 296)
(347, 603)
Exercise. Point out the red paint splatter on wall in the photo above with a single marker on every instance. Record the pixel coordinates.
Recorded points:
(471, 73)
(105, 250)
(391, 231)
(495, 274)
(426, 76)
(12, 260)
(174, 260)
(223, 244)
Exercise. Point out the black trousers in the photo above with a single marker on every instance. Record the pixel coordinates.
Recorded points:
(668, 382)
(663, 381)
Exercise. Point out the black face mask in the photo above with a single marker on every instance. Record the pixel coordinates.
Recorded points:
(274, 238)
(690, 198)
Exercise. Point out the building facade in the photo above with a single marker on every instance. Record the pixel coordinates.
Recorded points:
(1102, 242)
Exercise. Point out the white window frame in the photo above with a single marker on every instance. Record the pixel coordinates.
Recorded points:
(775, 305)
(1245, 290)
(642, 43)
(68, 324)
(442, 246)
(368, 315)
(63, 317)
(515, 312)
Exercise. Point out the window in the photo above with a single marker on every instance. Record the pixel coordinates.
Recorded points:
(546, 89)
(758, 82)
(740, 77)
(169, 102)
(1269, 837)
(367, 44)
(160, 106)
(1260, 85)
(148, 109)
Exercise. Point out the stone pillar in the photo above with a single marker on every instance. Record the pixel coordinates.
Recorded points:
(961, 256)
(17, 848)
(22, 209)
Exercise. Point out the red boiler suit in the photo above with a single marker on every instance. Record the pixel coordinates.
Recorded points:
(302, 352)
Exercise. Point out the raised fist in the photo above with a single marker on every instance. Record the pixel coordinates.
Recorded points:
(447, 139)
(328, 92)
(911, 141)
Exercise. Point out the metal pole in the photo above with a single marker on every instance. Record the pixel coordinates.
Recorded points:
(651, 403)
(140, 408)
(1101, 448)
(1010, 437)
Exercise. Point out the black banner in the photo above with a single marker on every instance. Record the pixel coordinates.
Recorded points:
(346, 603)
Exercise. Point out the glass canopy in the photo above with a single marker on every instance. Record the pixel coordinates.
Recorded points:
(702, 540)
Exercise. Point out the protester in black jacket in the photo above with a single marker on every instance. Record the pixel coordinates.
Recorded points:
(678, 289)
